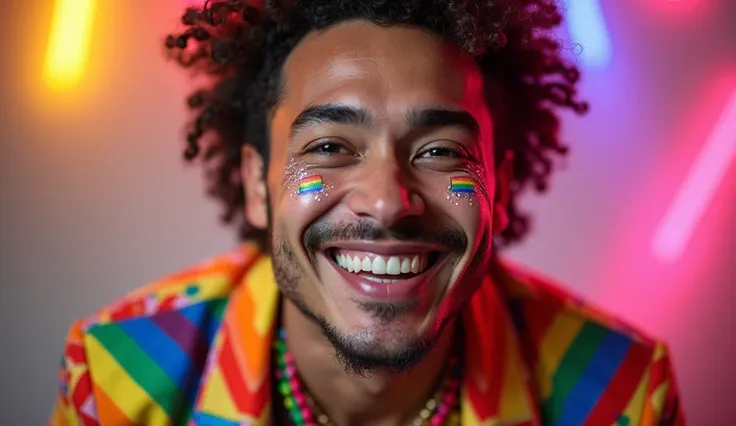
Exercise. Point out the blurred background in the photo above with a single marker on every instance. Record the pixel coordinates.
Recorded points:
(95, 199)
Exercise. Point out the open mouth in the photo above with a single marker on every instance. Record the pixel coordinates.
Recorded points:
(392, 271)
(386, 269)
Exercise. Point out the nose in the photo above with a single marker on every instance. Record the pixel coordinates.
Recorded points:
(383, 192)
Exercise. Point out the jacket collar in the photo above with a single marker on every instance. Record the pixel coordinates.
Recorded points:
(236, 388)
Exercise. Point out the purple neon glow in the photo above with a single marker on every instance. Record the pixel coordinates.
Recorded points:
(587, 26)
(698, 188)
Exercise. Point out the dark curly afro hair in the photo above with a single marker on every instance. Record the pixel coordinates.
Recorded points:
(241, 46)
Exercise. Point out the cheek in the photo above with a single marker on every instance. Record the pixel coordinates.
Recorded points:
(304, 197)
(465, 199)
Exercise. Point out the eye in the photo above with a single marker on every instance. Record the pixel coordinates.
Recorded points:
(442, 151)
(329, 147)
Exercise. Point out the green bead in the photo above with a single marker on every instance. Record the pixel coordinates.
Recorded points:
(623, 421)
(296, 415)
(288, 403)
(284, 388)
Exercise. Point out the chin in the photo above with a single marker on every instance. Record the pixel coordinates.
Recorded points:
(385, 348)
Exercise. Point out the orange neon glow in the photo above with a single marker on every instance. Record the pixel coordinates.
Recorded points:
(69, 42)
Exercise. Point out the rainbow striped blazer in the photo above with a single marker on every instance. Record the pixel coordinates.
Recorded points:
(195, 348)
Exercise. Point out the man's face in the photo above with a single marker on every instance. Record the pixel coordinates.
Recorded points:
(379, 247)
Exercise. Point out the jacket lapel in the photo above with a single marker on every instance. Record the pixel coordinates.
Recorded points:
(236, 385)
(497, 388)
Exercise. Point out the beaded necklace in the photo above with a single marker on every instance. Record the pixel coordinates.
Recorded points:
(303, 410)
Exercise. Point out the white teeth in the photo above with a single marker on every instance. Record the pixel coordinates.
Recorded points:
(393, 266)
(367, 264)
(405, 266)
(380, 265)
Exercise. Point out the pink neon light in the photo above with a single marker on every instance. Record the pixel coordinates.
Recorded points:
(699, 187)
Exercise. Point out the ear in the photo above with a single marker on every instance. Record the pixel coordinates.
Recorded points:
(254, 183)
(504, 175)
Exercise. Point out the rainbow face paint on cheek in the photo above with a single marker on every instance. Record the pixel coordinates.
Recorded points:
(462, 185)
(461, 188)
(312, 187)
(304, 185)
(310, 184)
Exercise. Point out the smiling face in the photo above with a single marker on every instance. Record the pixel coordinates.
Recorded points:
(382, 188)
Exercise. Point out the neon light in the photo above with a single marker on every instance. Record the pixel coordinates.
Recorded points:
(699, 187)
(69, 41)
(310, 184)
(587, 26)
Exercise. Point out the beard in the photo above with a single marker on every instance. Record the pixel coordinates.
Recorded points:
(359, 353)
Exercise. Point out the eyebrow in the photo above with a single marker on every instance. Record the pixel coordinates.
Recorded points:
(354, 116)
(443, 118)
(330, 114)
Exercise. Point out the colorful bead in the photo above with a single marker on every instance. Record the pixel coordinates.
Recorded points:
(299, 405)
(306, 414)
(293, 382)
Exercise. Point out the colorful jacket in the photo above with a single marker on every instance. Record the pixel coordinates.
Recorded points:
(195, 349)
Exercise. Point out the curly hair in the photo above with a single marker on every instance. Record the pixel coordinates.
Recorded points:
(241, 46)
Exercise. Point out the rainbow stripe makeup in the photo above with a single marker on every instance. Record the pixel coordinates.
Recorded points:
(462, 185)
(310, 184)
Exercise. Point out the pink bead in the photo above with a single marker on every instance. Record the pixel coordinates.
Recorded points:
(442, 410)
(291, 370)
(307, 414)
(294, 382)
(300, 399)
(437, 421)
(449, 397)
(288, 358)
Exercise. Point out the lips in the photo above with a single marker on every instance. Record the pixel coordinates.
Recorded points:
(386, 272)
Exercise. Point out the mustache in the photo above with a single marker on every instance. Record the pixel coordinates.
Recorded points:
(324, 231)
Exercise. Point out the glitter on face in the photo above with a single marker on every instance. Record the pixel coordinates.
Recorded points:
(294, 172)
(304, 184)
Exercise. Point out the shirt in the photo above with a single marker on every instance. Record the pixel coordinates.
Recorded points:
(195, 349)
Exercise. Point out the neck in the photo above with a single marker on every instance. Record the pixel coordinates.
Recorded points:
(378, 398)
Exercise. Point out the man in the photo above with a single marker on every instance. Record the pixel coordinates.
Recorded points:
(372, 154)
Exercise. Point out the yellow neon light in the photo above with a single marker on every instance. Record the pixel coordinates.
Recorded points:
(69, 42)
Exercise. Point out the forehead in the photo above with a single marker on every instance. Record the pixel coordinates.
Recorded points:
(387, 70)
